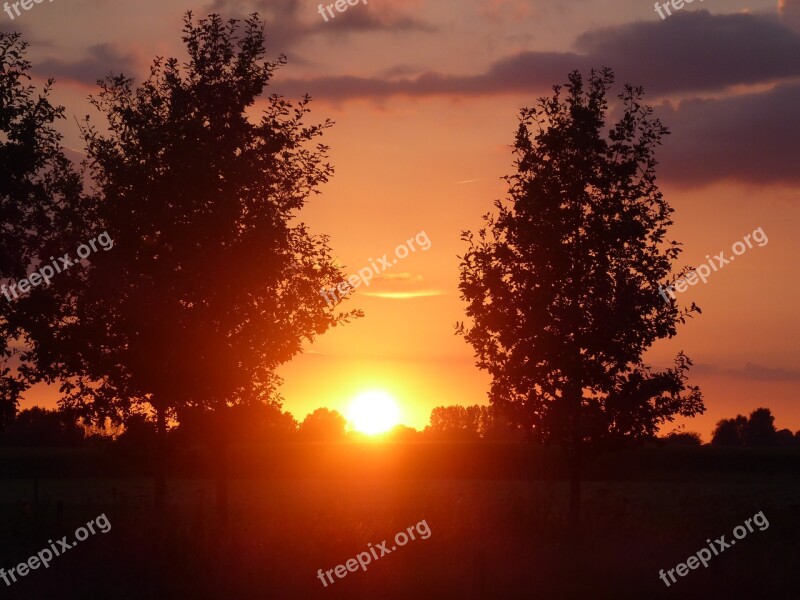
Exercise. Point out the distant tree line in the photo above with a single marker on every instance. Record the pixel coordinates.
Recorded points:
(465, 423)
(41, 427)
(253, 423)
(267, 422)
(757, 430)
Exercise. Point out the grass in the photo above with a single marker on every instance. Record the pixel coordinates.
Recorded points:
(491, 538)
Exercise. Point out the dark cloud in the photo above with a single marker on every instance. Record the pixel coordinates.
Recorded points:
(401, 71)
(8, 26)
(364, 20)
(102, 60)
(689, 52)
(530, 71)
(695, 51)
(290, 22)
(749, 138)
(790, 13)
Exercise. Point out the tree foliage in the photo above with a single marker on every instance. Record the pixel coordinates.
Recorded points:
(323, 425)
(41, 427)
(212, 282)
(464, 423)
(562, 283)
(39, 202)
(757, 430)
(682, 438)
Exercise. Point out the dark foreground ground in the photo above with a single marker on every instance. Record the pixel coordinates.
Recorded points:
(490, 538)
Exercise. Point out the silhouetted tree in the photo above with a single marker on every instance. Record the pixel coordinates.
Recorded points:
(496, 426)
(785, 439)
(268, 423)
(454, 423)
(462, 423)
(41, 427)
(729, 432)
(757, 430)
(39, 193)
(8, 405)
(562, 285)
(682, 438)
(253, 423)
(213, 282)
(402, 433)
(760, 430)
(323, 425)
(139, 435)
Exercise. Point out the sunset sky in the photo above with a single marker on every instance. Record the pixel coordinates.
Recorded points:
(425, 96)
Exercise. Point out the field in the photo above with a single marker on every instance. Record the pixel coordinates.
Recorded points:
(491, 536)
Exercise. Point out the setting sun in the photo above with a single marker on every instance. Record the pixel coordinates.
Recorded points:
(373, 412)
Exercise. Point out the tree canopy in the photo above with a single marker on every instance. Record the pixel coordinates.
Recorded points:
(213, 280)
(757, 430)
(40, 204)
(562, 283)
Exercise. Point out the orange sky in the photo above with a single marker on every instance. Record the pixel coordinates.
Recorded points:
(425, 97)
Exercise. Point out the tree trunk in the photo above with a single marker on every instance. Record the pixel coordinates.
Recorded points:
(575, 490)
(222, 471)
(159, 484)
(575, 460)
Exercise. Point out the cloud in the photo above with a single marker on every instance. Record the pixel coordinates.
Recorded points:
(689, 52)
(503, 11)
(404, 295)
(749, 138)
(697, 51)
(746, 138)
(370, 20)
(290, 22)
(396, 287)
(102, 60)
(750, 371)
(399, 278)
(401, 71)
(789, 11)
(530, 71)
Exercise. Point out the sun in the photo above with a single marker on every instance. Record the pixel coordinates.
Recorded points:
(373, 412)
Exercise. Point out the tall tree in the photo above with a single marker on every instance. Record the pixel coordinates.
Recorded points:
(213, 282)
(562, 283)
(40, 201)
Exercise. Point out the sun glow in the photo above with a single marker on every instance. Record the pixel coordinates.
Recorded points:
(373, 412)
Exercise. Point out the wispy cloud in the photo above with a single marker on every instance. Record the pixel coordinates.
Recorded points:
(403, 277)
(102, 60)
(404, 295)
(750, 371)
